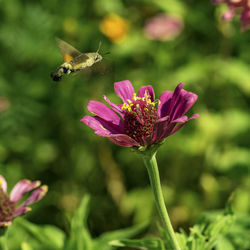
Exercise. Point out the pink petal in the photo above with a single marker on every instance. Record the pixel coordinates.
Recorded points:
(163, 128)
(116, 108)
(123, 144)
(177, 128)
(103, 133)
(103, 112)
(187, 100)
(165, 101)
(175, 98)
(180, 119)
(3, 183)
(167, 130)
(98, 124)
(92, 122)
(125, 139)
(21, 211)
(194, 116)
(159, 128)
(36, 195)
(21, 188)
(119, 139)
(184, 122)
(124, 90)
(147, 89)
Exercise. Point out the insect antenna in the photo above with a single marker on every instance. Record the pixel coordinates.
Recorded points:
(99, 46)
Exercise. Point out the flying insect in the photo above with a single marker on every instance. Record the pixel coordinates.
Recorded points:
(74, 60)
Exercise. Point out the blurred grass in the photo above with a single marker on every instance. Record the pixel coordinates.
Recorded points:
(42, 136)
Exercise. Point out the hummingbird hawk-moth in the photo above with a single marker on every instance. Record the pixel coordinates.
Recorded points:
(74, 60)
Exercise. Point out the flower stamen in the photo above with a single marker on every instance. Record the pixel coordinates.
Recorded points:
(7, 207)
(140, 117)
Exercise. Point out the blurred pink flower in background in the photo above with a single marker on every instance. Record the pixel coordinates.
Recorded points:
(8, 203)
(242, 7)
(163, 27)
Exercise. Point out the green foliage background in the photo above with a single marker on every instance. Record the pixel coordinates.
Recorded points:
(42, 136)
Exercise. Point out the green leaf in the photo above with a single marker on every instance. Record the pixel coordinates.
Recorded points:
(49, 236)
(26, 246)
(224, 243)
(182, 239)
(240, 231)
(106, 238)
(79, 235)
(151, 244)
(165, 236)
(207, 234)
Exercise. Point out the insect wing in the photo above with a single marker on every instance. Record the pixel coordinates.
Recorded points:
(68, 52)
(79, 62)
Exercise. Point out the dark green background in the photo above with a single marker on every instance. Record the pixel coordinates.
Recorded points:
(41, 136)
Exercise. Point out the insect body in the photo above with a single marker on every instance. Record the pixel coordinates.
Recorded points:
(74, 60)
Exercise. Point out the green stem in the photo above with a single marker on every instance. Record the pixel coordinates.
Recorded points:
(151, 164)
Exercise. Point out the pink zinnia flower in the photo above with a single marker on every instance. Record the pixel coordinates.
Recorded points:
(8, 204)
(244, 9)
(141, 120)
(163, 27)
